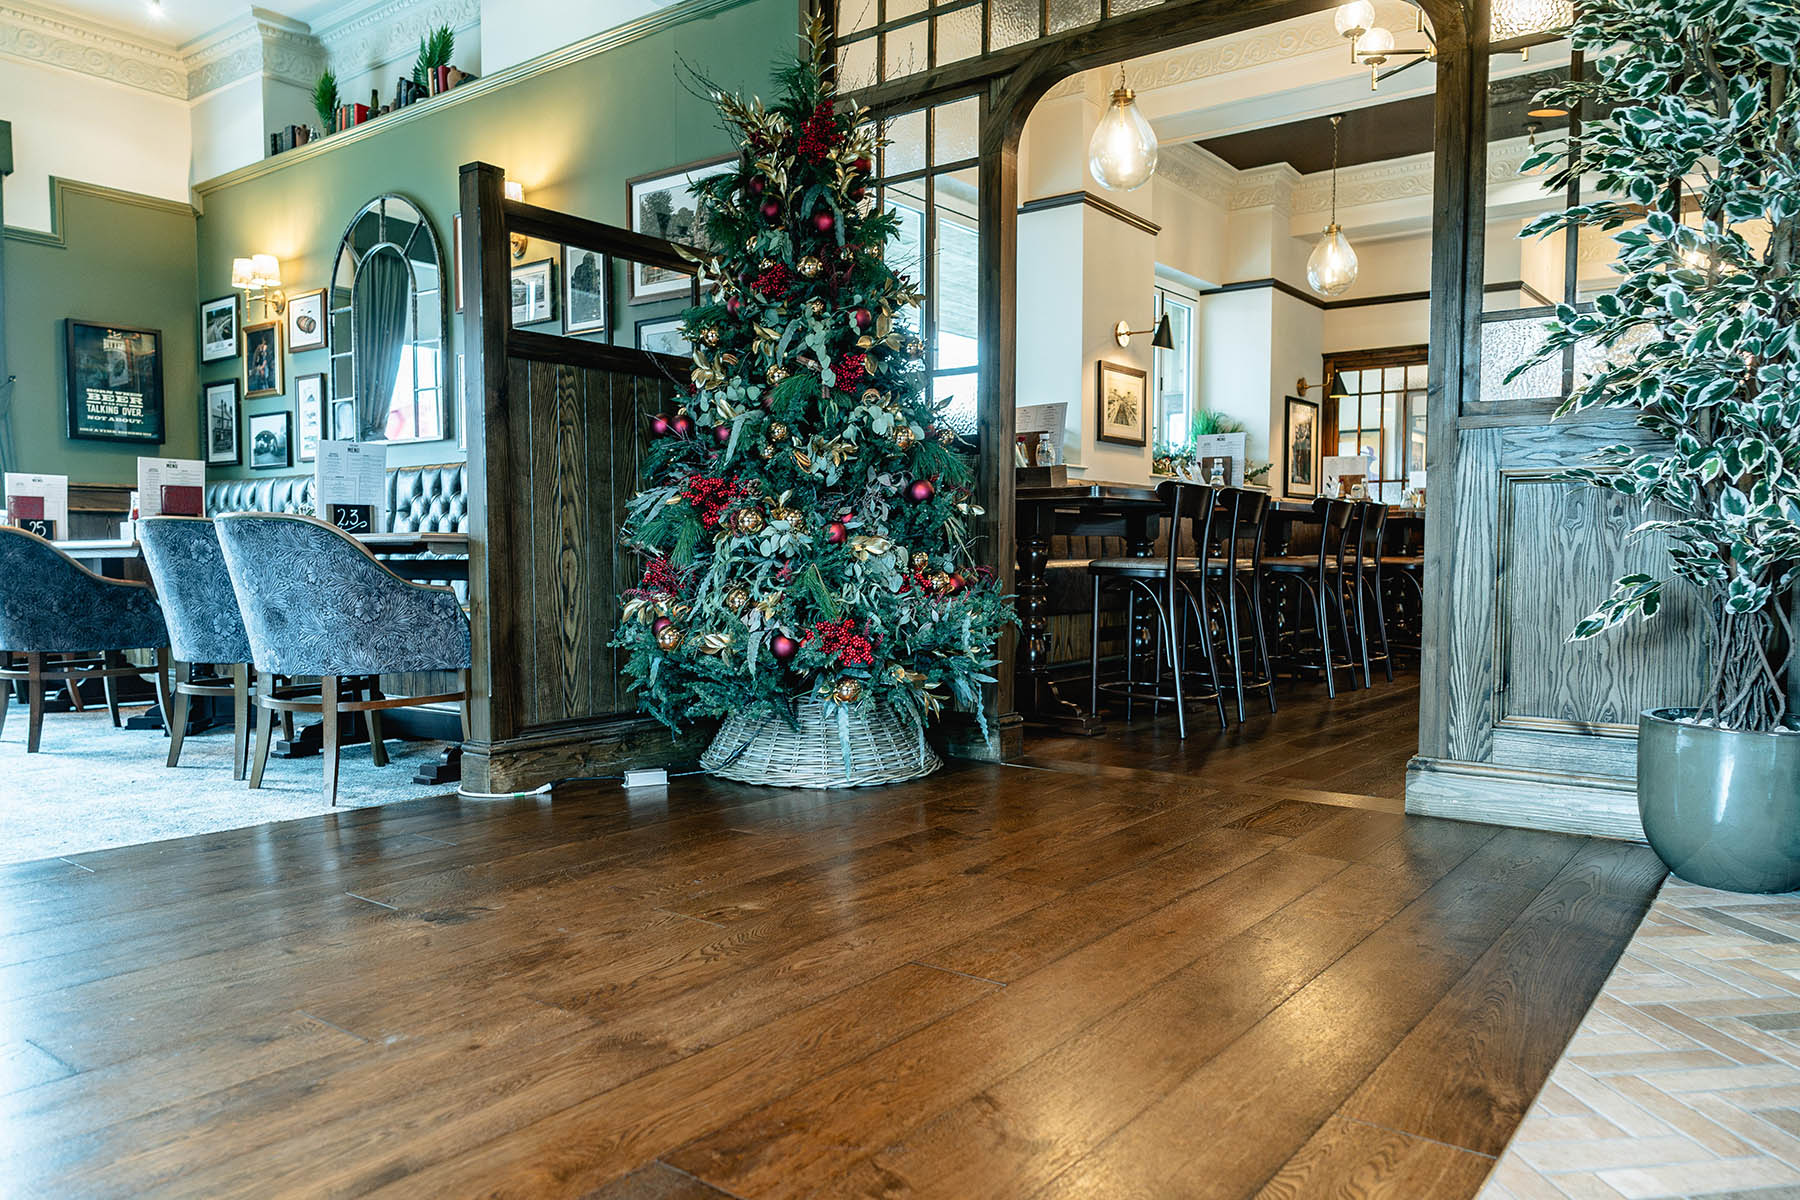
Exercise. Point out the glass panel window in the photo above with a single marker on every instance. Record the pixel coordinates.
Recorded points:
(1175, 368)
(1381, 413)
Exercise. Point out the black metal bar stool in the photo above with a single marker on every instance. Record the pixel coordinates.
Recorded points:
(1370, 530)
(1235, 561)
(1317, 585)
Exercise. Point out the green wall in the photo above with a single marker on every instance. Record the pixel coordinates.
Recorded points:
(572, 135)
(117, 259)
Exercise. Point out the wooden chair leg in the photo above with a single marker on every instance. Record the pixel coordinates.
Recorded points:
(34, 700)
(240, 718)
(463, 677)
(328, 713)
(175, 715)
(6, 690)
(70, 687)
(265, 733)
(377, 745)
(109, 660)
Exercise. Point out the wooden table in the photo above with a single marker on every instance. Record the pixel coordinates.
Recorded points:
(116, 557)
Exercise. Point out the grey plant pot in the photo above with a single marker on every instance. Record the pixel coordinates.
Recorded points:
(1720, 807)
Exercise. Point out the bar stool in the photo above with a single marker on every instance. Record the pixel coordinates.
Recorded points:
(315, 602)
(1236, 562)
(1317, 584)
(52, 605)
(205, 627)
(1370, 525)
(1175, 588)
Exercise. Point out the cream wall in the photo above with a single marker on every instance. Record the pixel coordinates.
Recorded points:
(88, 129)
(515, 30)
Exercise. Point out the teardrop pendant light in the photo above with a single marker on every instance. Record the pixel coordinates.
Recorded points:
(1122, 154)
(1332, 267)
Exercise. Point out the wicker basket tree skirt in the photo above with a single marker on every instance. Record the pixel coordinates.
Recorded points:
(860, 746)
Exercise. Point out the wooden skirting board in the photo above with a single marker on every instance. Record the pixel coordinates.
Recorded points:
(1597, 805)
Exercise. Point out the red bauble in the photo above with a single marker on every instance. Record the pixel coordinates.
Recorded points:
(783, 647)
(733, 304)
(862, 166)
(957, 582)
(755, 185)
(863, 318)
(682, 426)
(660, 624)
(824, 222)
(659, 425)
(771, 211)
(920, 490)
(836, 532)
(722, 434)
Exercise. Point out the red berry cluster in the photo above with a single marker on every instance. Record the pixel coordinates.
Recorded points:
(851, 371)
(711, 497)
(660, 579)
(819, 134)
(774, 280)
(839, 639)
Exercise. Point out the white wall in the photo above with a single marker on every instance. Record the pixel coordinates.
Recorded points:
(79, 127)
(1118, 274)
(515, 30)
(1050, 315)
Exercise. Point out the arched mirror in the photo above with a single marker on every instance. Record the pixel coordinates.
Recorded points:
(387, 327)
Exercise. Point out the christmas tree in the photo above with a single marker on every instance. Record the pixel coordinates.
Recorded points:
(803, 520)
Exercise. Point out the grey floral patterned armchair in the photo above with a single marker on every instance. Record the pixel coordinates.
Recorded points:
(315, 602)
(51, 605)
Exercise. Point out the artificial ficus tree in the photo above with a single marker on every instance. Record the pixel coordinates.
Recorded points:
(803, 517)
(1692, 118)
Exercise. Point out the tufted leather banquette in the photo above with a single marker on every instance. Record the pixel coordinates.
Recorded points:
(433, 499)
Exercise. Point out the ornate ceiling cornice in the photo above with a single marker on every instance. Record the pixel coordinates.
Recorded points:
(39, 36)
(263, 43)
(390, 32)
(1197, 171)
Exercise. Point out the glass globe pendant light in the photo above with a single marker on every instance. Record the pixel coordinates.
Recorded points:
(1331, 268)
(1122, 154)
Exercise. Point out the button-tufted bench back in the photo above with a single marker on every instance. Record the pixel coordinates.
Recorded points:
(433, 499)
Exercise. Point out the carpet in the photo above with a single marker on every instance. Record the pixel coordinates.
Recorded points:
(92, 787)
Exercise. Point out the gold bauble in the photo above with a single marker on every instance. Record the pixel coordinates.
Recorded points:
(750, 244)
(816, 307)
(872, 397)
(920, 560)
(810, 266)
(737, 599)
(946, 435)
(711, 337)
(669, 638)
(778, 431)
(792, 516)
(904, 437)
(766, 263)
(777, 372)
(941, 582)
(765, 451)
(749, 521)
(847, 691)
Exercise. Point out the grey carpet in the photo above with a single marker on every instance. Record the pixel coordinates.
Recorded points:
(92, 787)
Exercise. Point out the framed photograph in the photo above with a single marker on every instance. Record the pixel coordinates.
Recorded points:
(1124, 396)
(462, 407)
(343, 420)
(220, 417)
(663, 206)
(115, 382)
(219, 329)
(1302, 447)
(271, 441)
(262, 360)
(456, 256)
(309, 415)
(306, 321)
(663, 336)
(533, 293)
(584, 290)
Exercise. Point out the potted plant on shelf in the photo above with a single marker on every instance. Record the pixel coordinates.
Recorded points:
(431, 70)
(325, 101)
(1697, 136)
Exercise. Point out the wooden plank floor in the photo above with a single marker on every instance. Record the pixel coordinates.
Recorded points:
(1135, 967)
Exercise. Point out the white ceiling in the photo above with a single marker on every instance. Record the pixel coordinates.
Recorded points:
(178, 22)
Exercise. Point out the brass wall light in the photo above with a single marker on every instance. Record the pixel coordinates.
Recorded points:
(259, 278)
(1164, 339)
(515, 191)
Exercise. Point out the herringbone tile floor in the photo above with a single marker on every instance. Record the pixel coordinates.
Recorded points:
(1684, 1078)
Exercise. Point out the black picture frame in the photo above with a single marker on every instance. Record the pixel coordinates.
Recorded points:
(227, 341)
(1307, 455)
(309, 394)
(584, 288)
(115, 382)
(647, 283)
(654, 325)
(264, 368)
(1140, 426)
(278, 453)
(216, 399)
(523, 275)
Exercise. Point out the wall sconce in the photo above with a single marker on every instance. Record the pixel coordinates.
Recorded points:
(1164, 339)
(259, 277)
(1301, 387)
(515, 191)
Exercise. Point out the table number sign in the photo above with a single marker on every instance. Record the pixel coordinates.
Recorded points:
(38, 503)
(352, 518)
(350, 485)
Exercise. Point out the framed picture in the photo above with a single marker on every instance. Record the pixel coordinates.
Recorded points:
(271, 441)
(220, 418)
(219, 328)
(663, 206)
(663, 335)
(584, 290)
(306, 321)
(456, 256)
(115, 382)
(1124, 396)
(462, 407)
(309, 415)
(533, 293)
(1302, 447)
(343, 420)
(262, 360)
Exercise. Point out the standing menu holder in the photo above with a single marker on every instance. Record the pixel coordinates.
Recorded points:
(350, 486)
(171, 487)
(1233, 448)
(38, 503)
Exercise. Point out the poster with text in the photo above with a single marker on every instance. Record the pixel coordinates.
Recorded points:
(115, 382)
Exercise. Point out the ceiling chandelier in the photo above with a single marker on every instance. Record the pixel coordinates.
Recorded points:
(1374, 46)
(1331, 268)
(1122, 154)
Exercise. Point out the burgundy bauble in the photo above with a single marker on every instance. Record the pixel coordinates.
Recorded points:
(824, 222)
(836, 532)
(771, 210)
(660, 624)
(755, 185)
(957, 582)
(862, 166)
(722, 434)
(733, 305)
(863, 318)
(682, 426)
(920, 490)
(783, 647)
(659, 425)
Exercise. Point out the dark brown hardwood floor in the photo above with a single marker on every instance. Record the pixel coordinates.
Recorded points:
(1130, 967)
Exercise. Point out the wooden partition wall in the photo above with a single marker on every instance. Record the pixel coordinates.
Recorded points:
(556, 428)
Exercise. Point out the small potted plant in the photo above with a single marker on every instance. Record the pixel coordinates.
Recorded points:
(1698, 120)
(431, 70)
(325, 101)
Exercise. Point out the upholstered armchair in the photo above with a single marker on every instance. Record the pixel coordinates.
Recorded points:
(316, 603)
(51, 605)
(205, 628)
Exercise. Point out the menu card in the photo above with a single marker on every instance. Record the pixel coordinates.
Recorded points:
(38, 503)
(1041, 421)
(350, 485)
(1232, 446)
(173, 487)
(1343, 474)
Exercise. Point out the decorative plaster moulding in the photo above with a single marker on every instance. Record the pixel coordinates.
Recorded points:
(360, 37)
(260, 43)
(54, 39)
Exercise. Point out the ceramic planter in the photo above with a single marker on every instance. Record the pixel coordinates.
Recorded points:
(1720, 807)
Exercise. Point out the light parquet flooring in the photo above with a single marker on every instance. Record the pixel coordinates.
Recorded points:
(1684, 1079)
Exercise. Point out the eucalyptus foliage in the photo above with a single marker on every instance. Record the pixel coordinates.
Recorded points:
(1692, 108)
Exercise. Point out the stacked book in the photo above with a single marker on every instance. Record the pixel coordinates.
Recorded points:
(287, 139)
